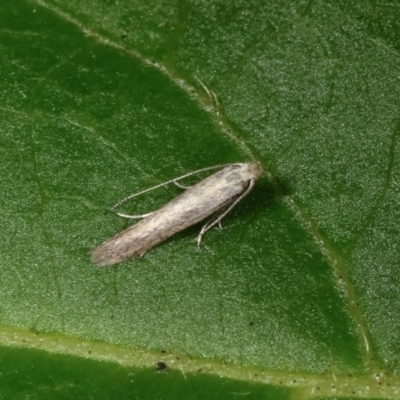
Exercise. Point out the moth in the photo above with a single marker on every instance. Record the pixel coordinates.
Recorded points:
(213, 197)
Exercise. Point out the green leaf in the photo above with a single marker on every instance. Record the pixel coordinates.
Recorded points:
(298, 295)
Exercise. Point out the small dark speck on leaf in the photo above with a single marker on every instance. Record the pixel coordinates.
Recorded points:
(161, 366)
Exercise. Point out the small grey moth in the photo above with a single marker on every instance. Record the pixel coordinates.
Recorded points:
(214, 196)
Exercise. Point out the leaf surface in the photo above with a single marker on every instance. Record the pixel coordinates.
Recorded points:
(298, 295)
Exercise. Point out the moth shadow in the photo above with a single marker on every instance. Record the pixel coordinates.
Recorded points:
(262, 197)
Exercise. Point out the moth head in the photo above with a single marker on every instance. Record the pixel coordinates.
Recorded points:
(255, 170)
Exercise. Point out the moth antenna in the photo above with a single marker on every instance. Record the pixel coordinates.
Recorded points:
(124, 200)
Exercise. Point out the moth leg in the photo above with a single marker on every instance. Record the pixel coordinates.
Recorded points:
(134, 216)
(215, 219)
(212, 223)
(203, 231)
(181, 186)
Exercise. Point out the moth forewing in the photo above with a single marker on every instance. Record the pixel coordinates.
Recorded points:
(215, 195)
